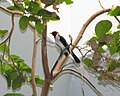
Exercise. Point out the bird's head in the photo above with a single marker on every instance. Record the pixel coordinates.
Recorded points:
(54, 33)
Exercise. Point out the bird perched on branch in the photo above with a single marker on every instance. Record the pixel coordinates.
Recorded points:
(61, 42)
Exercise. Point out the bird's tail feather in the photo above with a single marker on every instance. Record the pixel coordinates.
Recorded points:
(77, 60)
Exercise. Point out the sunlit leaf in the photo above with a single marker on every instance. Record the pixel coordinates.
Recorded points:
(12, 8)
(102, 28)
(39, 27)
(67, 1)
(19, 6)
(112, 49)
(4, 48)
(93, 39)
(13, 94)
(33, 8)
(23, 22)
(26, 69)
(118, 26)
(115, 11)
(38, 80)
(27, 2)
(3, 33)
(100, 49)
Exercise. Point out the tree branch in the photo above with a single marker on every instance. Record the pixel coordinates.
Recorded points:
(45, 88)
(84, 78)
(63, 58)
(117, 19)
(11, 34)
(33, 64)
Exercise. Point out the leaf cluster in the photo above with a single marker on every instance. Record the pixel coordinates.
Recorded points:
(105, 49)
(33, 12)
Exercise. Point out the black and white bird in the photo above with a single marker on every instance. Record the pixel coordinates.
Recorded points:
(61, 42)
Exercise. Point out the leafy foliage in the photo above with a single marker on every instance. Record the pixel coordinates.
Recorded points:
(115, 11)
(103, 47)
(16, 72)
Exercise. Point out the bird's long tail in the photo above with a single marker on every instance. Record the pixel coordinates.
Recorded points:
(77, 60)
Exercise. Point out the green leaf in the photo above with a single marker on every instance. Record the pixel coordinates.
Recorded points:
(23, 22)
(12, 74)
(111, 67)
(27, 2)
(7, 77)
(47, 15)
(14, 57)
(13, 94)
(4, 48)
(100, 49)
(67, 1)
(12, 8)
(118, 27)
(33, 18)
(19, 6)
(99, 78)
(3, 33)
(102, 28)
(115, 11)
(112, 49)
(93, 39)
(38, 80)
(39, 27)
(33, 8)
(26, 68)
(88, 62)
(17, 83)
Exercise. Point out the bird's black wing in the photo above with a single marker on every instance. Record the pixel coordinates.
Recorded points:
(63, 41)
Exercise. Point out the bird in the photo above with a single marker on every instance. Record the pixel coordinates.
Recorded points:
(61, 42)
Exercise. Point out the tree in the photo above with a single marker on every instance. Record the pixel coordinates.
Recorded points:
(99, 53)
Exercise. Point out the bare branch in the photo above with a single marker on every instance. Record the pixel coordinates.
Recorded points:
(33, 63)
(101, 4)
(11, 12)
(45, 88)
(84, 78)
(44, 53)
(11, 32)
(117, 19)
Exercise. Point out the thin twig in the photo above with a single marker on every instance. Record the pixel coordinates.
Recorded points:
(85, 80)
(117, 19)
(11, 34)
(33, 63)
(101, 4)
